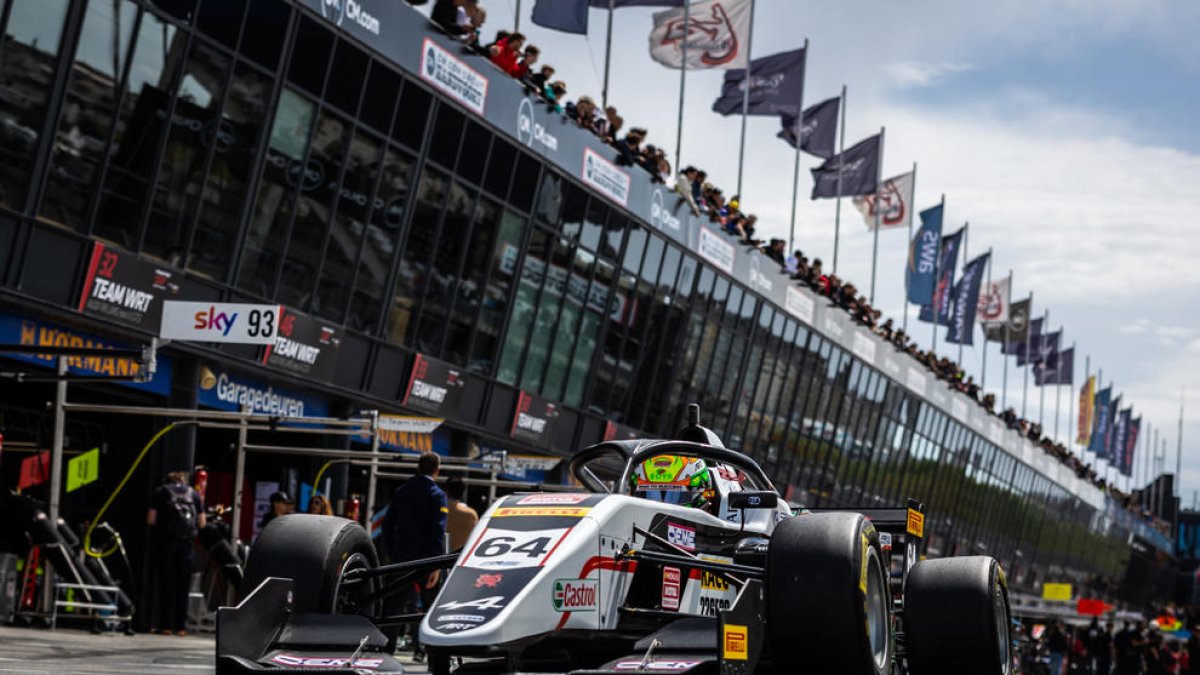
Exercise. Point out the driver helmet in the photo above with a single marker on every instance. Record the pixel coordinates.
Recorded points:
(672, 479)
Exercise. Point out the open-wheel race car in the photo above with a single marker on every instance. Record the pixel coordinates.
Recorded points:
(680, 556)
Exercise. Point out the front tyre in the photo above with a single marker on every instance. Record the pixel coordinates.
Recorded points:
(315, 552)
(956, 617)
(828, 604)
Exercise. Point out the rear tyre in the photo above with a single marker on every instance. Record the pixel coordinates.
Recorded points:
(828, 607)
(956, 617)
(315, 552)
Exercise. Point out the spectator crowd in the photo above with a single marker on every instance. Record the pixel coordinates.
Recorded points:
(510, 52)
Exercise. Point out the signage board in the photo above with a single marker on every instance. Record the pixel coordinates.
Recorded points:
(35, 469)
(1056, 592)
(434, 387)
(220, 322)
(534, 419)
(83, 469)
(304, 345)
(227, 391)
(126, 288)
(18, 330)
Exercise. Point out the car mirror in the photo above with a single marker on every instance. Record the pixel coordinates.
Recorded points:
(753, 500)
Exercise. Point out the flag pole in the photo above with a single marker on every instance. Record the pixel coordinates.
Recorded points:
(1057, 392)
(1025, 384)
(687, 14)
(608, 53)
(746, 105)
(904, 321)
(1042, 388)
(837, 209)
(983, 368)
(1179, 450)
(937, 262)
(517, 18)
(796, 168)
(878, 197)
(965, 255)
(1004, 346)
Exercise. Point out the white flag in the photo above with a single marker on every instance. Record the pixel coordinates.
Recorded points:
(718, 33)
(993, 302)
(897, 199)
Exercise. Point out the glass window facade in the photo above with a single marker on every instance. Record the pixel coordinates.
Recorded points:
(248, 145)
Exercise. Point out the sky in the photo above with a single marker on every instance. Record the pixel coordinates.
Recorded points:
(1064, 132)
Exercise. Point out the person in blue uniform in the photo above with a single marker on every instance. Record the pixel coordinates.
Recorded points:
(415, 528)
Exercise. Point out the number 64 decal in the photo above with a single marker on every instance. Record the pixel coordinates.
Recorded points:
(511, 549)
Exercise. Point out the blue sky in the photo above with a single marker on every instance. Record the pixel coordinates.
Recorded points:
(1064, 131)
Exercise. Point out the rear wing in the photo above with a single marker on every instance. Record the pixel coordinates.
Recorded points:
(901, 530)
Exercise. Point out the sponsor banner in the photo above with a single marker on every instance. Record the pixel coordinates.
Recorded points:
(893, 203)
(735, 642)
(575, 595)
(713, 248)
(864, 347)
(351, 13)
(552, 511)
(610, 180)
(672, 585)
(123, 287)
(662, 665)
(799, 304)
(17, 330)
(531, 131)
(409, 425)
(450, 74)
(304, 346)
(661, 216)
(226, 391)
(528, 467)
(230, 322)
(682, 536)
(434, 387)
(534, 419)
(552, 499)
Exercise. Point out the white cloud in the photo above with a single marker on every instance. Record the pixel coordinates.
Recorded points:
(916, 74)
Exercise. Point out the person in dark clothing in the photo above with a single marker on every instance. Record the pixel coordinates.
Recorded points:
(415, 528)
(1127, 656)
(176, 515)
(1193, 650)
(1100, 647)
(1056, 644)
(281, 504)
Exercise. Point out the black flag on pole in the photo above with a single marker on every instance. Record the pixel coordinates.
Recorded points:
(776, 86)
(859, 167)
(1055, 368)
(818, 133)
(966, 301)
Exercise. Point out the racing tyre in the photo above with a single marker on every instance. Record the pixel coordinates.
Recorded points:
(314, 552)
(828, 607)
(956, 617)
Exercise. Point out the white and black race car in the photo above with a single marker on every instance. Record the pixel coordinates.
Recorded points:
(612, 579)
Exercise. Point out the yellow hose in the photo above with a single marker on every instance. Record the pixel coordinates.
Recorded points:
(87, 536)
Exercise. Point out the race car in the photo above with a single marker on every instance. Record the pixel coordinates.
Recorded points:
(680, 556)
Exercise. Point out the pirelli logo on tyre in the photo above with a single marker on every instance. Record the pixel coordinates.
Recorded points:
(557, 511)
(735, 643)
(916, 523)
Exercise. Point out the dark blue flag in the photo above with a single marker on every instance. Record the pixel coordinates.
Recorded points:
(818, 133)
(947, 265)
(1057, 368)
(776, 86)
(568, 16)
(922, 257)
(1100, 422)
(1031, 343)
(1120, 437)
(1110, 449)
(966, 301)
(1043, 354)
(1135, 428)
(858, 167)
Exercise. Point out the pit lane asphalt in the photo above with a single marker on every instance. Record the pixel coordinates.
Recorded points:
(66, 650)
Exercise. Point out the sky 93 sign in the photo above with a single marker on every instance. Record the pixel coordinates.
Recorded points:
(220, 322)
